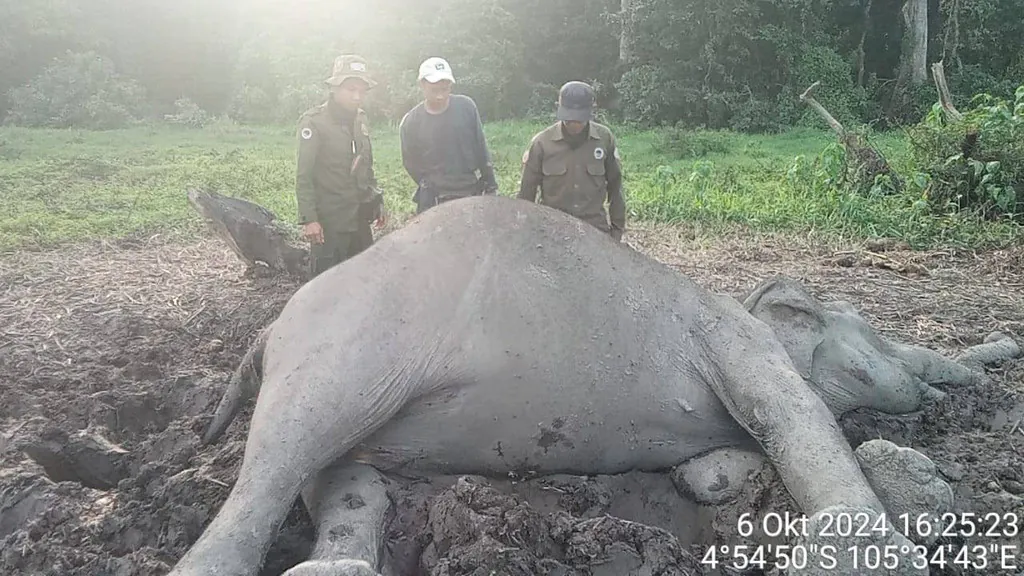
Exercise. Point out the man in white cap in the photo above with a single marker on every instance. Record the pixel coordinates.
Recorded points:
(443, 144)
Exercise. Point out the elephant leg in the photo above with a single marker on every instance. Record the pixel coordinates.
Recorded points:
(909, 485)
(716, 477)
(758, 384)
(349, 505)
(305, 419)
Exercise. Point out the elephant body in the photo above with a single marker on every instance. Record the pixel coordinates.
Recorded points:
(493, 336)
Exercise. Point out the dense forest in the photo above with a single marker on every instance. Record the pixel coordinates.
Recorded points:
(734, 64)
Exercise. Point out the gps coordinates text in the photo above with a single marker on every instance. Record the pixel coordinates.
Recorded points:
(871, 552)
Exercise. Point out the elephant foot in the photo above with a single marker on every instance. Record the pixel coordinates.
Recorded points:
(716, 477)
(349, 505)
(332, 568)
(849, 541)
(908, 484)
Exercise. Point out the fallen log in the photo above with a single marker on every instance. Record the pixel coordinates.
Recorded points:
(252, 233)
(864, 162)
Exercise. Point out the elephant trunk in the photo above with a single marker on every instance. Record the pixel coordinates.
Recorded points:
(998, 348)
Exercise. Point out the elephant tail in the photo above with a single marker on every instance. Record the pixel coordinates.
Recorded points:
(244, 385)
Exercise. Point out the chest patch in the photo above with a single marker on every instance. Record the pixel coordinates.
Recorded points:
(598, 153)
(306, 133)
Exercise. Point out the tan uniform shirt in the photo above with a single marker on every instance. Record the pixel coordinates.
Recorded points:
(577, 180)
(335, 169)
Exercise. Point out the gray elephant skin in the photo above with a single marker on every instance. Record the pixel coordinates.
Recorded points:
(491, 335)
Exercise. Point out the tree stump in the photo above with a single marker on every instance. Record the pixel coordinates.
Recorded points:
(250, 230)
(865, 162)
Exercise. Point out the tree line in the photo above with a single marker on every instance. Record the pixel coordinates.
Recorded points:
(736, 64)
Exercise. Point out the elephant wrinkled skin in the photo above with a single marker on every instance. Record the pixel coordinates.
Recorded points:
(492, 335)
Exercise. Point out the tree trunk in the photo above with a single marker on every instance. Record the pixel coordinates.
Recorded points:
(945, 98)
(915, 46)
(627, 32)
(860, 47)
(951, 35)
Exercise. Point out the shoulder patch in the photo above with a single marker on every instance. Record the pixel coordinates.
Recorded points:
(615, 154)
(366, 129)
(313, 111)
(526, 155)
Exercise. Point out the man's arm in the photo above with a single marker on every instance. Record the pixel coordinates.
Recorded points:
(616, 201)
(532, 175)
(412, 159)
(483, 154)
(305, 194)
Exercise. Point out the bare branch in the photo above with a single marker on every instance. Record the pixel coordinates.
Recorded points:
(808, 98)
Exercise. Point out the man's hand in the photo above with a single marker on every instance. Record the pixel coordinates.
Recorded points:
(378, 215)
(313, 233)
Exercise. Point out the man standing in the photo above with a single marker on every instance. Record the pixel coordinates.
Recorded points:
(575, 163)
(335, 184)
(443, 144)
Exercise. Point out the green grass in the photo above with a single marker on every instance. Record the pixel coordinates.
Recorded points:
(65, 186)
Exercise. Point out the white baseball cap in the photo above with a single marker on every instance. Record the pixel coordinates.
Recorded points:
(436, 69)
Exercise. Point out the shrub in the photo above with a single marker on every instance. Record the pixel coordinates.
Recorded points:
(188, 113)
(80, 89)
(252, 105)
(974, 164)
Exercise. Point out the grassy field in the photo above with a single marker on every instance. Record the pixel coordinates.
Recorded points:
(66, 186)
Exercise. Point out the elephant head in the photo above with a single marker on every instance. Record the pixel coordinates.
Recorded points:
(846, 361)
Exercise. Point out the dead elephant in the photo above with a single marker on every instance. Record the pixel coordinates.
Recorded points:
(491, 335)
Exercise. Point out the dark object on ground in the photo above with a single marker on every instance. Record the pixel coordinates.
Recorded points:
(250, 231)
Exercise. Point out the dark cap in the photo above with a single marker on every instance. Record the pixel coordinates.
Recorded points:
(575, 102)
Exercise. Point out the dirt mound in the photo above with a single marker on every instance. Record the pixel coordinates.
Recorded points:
(117, 357)
(477, 530)
(112, 357)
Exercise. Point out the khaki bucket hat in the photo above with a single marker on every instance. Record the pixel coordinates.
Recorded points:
(349, 66)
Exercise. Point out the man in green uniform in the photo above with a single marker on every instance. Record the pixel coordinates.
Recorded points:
(335, 184)
(575, 163)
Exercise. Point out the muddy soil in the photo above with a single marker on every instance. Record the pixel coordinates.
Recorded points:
(113, 356)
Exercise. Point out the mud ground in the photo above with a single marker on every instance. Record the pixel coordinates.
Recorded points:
(112, 356)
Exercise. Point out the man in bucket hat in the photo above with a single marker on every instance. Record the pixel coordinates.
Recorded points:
(575, 163)
(335, 184)
(443, 144)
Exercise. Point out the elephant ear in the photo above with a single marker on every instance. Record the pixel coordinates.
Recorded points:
(798, 320)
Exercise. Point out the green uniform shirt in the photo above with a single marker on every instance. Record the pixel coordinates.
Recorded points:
(335, 168)
(576, 177)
